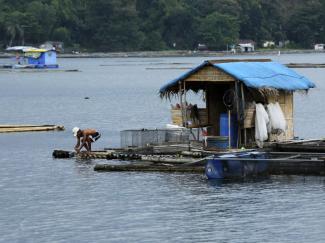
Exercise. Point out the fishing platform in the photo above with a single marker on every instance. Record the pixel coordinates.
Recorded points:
(244, 129)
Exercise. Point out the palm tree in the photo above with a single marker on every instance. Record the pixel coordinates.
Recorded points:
(14, 30)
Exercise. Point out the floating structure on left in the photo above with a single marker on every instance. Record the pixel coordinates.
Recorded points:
(27, 57)
(29, 128)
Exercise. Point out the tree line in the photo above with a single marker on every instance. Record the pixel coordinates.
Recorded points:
(137, 25)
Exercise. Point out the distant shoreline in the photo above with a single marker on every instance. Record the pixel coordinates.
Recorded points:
(152, 54)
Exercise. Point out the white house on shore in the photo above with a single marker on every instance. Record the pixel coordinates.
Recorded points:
(319, 47)
(246, 46)
(269, 44)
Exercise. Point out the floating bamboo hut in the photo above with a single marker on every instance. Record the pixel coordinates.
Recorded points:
(28, 57)
(231, 89)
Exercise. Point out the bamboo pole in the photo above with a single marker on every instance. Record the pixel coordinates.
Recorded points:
(181, 101)
(185, 107)
(238, 113)
(229, 128)
(243, 104)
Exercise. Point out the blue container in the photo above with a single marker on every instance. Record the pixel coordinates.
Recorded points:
(233, 128)
(236, 165)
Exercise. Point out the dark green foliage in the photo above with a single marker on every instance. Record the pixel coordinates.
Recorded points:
(306, 25)
(133, 25)
(218, 30)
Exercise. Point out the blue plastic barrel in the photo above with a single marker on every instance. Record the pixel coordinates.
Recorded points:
(214, 169)
(233, 128)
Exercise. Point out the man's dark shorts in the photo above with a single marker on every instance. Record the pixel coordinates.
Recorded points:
(94, 137)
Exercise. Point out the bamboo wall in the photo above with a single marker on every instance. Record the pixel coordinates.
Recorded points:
(210, 74)
(178, 119)
(285, 100)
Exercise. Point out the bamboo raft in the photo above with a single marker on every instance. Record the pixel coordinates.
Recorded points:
(306, 65)
(129, 156)
(311, 146)
(149, 167)
(290, 65)
(185, 161)
(280, 163)
(29, 128)
(8, 68)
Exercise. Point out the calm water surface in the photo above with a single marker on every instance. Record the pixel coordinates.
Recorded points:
(48, 200)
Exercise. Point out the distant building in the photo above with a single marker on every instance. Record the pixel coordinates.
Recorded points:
(283, 43)
(269, 44)
(202, 47)
(319, 47)
(246, 46)
(58, 46)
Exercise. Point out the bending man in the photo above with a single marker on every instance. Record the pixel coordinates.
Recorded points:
(85, 138)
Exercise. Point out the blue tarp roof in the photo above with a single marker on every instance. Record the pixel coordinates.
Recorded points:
(256, 75)
(266, 74)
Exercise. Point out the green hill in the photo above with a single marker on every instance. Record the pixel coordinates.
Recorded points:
(137, 25)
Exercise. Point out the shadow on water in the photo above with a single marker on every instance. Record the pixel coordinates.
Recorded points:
(229, 182)
(84, 166)
(298, 179)
(278, 179)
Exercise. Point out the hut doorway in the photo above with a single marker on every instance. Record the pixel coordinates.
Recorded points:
(218, 99)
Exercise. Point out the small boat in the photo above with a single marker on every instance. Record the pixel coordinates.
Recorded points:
(260, 163)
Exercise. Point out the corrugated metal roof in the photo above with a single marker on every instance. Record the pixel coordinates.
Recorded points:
(255, 75)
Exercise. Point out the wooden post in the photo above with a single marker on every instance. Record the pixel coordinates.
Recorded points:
(184, 91)
(207, 105)
(229, 127)
(238, 113)
(185, 107)
(181, 101)
(243, 104)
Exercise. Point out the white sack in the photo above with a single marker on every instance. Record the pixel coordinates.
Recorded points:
(277, 120)
(261, 122)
